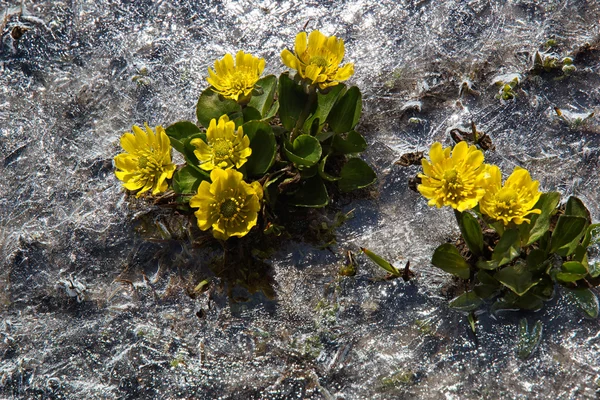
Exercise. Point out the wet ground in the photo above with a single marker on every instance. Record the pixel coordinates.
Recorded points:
(75, 75)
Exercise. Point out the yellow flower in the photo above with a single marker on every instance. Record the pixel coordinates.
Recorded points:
(513, 201)
(455, 180)
(147, 162)
(236, 81)
(225, 148)
(229, 205)
(319, 61)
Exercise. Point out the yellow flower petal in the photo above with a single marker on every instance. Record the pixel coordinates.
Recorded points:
(236, 80)
(146, 163)
(453, 177)
(317, 59)
(514, 201)
(228, 205)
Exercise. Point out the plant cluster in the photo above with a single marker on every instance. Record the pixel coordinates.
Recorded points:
(517, 243)
(259, 141)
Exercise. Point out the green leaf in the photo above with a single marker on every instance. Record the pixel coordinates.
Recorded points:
(211, 105)
(592, 236)
(381, 262)
(487, 265)
(305, 151)
(272, 111)
(251, 114)
(353, 143)
(356, 174)
(263, 145)
(292, 101)
(540, 223)
(517, 278)
(188, 151)
(574, 267)
(311, 193)
(507, 248)
(447, 258)
(585, 300)
(468, 301)
(594, 269)
(567, 233)
(346, 112)
(529, 339)
(187, 180)
(179, 131)
(264, 101)
(543, 290)
(471, 231)
(182, 130)
(571, 271)
(576, 207)
(488, 286)
(325, 175)
(536, 260)
(325, 103)
(528, 301)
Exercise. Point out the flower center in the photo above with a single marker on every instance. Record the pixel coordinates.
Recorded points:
(229, 208)
(239, 81)
(507, 202)
(222, 149)
(507, 196)
(450, 176)
(142, 162)
(453, 185)
(318, 61)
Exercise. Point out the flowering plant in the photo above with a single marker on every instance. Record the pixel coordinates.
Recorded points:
(260, 142)
(517, 244)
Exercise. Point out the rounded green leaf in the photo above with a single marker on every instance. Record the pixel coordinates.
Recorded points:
(311, 193)
(517, 278)
(251, 114)
(540, 223)
(356, 174)
(263, 102)
(529, 339)
(468, 301)
(566, 234)
(576, 207)
(507, 248)
(292, 101)
(325, 102)
(180, 131)
(210, 105)
(346, 112)
(447, 258)
(187, 180)
(471, 231)
(263, 145)
(325, 175)
(305, 151)
(354, 142)
(585, 300)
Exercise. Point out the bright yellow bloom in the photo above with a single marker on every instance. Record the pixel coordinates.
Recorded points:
(236, 81)
(319, 61)
(456, 180)
(513, 201)
(147, 162)
(229, 205)
(225, 149)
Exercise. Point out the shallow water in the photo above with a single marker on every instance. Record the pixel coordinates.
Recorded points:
(85, 71)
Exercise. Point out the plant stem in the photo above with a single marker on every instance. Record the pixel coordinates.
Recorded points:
(312, 97)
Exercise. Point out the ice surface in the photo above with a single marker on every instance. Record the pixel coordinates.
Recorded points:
(84, 71)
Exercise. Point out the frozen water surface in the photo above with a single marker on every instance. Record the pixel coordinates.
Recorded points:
(84, 71)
